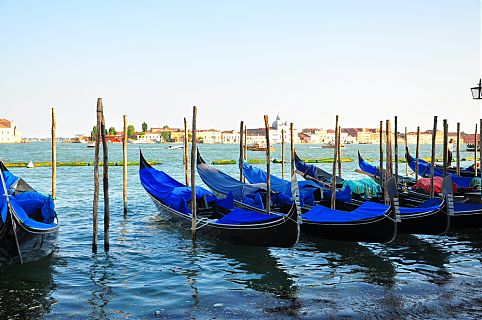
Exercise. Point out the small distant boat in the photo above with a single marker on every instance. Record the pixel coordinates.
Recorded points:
(91, 145)
(331, 146)
(174, 147)
(28, 226)
(471, 147)
(258, 147)
(30, 165)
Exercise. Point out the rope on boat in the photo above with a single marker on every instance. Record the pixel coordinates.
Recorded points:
(205, 222)
(14, 227)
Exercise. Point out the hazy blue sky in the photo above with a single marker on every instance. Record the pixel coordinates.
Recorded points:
(237, 60)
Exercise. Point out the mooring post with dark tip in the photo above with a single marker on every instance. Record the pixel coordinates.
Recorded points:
(417, 153)
(193, 173)
(445, 147)
(282, 153)
(406, 148)
(480, 153)
(245, 143)
(105, 182)
(96, 177)
(268, 166)
(388, 161)
(458, 150)
(432, 161)
(395, 136)
(186, 157)
(335, 157)
(381, 154)
(124, 165)
(54, 155)
(475, 151)
(292, 147)
(338, 152)
(241, 150)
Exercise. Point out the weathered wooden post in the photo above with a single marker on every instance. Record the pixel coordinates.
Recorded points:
(388, 162)
(282, 153)
(445, 147)
(124, 165)
(105, 181)
(245, 143)
(432, 161)
(395, 129)
(475, 151)
(335, 157)
(54, 155)
(480, 152)
(241, 149)
(292, 147)
(186, 157)
(458, 149)
(406, 148)
(338, 153)
(96, 177)
(417, 153)
(193, 173)
(268, 165)
(381, 154)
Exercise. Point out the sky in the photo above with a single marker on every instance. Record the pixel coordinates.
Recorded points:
(238, 60)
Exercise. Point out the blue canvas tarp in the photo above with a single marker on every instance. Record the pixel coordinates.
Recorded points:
(169, 191)
(241, 216)
(367, 210)
(28, 204)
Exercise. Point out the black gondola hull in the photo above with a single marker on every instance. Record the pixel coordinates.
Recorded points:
(33, 245)
(430, 223)
(282, 232)
(380, 230)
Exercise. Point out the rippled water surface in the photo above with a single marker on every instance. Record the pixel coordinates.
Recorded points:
(154, 270)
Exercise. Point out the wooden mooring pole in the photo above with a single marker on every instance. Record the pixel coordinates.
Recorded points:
(292, 149)
(432, 160)
(417, 153)
(480, 153)
(105, 181)
(245, 143)
(381, 154)
(335, 158)
(241, 150)
(406, 148)
(124, 165)
(193, 172)
(96, 177)
(458, 150)
(282, 153)
(54, 155)
(388, 162)
(395, 135)
(186, 157)
(268, 166)
(338, 152)
(445, 146)
(475, 151)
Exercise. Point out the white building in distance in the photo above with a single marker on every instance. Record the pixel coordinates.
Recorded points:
(9, 132)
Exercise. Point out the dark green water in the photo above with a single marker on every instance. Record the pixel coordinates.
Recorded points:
(155, 271)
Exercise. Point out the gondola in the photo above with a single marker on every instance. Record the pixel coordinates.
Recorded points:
(315, 172)
(28, 226)
(370, 222)
(367, 167)
(465, 215)
(428, 217)
(217, 217)
(424, 169)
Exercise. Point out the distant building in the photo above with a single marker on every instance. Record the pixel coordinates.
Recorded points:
(209, 136)
(9, 132)
(230, 136)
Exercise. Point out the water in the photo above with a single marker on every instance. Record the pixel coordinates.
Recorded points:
(155, 271)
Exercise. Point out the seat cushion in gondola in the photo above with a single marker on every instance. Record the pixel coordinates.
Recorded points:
(240, 216)
(367, 210)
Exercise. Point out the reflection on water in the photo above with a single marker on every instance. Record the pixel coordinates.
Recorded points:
(25, 291)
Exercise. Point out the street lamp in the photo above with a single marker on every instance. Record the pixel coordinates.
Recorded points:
(477, 91)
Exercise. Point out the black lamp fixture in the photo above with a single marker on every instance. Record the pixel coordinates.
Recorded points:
(477, 91)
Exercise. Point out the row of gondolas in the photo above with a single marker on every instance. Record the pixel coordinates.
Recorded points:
(235, 211)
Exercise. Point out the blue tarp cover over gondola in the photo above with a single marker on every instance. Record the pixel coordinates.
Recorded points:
(367, 210)
(169, 191)
(424, 171)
